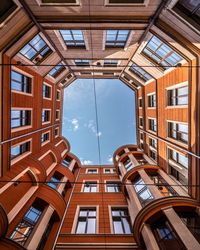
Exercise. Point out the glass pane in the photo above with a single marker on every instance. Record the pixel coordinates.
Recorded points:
(91, 227)
(118, 227)
(81, 227)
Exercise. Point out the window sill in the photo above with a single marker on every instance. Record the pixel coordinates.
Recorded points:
(13, 130)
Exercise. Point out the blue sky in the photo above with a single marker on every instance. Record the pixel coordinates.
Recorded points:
(116, 119)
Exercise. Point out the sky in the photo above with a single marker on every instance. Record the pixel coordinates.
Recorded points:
(115, 115)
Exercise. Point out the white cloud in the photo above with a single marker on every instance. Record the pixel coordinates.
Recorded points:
(98, 134)
(75, 124)
(110, 159)
(86, 162)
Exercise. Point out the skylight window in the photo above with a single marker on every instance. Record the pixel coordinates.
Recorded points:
(161, 53)
(140, 72)
(56, 70)
(82, 62)
(116, 38)
(110, 63)
(125, 1)
(36, 50)
(73, 38)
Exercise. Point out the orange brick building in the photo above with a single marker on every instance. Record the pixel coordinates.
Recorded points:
(149, 197)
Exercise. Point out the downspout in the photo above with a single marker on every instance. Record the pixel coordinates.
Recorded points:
(65, 212)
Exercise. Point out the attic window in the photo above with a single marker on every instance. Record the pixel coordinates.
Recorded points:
(58, 2)
(56, 70)
(140, 72)
(6, 9)
(82, 62)
(36, 50)
(116, 38)
(125, 2)
(161, 53)
(189, 10)
(110, 63)
(73, 38)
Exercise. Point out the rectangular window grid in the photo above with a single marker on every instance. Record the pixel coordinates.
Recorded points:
(177, 96)
(90, 187)
(121, 221)
(116, 38)
(178, 131)
(20, 149)
(25, 227)
(152, 125)
(161, 53)
(152, 101)
(36, 49)
(86, 223)
(45, 115)
(113, 187)
(20, 118)
(56, 70)
(140, 72)
(73, 38)
(46, 91)
(20, 82)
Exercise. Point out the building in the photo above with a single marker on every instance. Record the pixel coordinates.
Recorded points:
(149, 197)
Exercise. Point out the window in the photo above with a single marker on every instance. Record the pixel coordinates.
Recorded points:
(6, 9)
(107, 170)
(152, 100)
(143, 193)
(121, 221)
(140, 103)
(24, 229)
(178, 158)
(82, 62)
(92, 171)
(56, 132)
(36, 50)
(86, 221)
(66, 162)
(140, 72)
(192, 221)
(110, 63)
(73, 38)
(162, 185)
(55, 180)
(152, 143)
(153, 154)
(61, 2)
(46, 91)
(178, 175)
(125, 1)
(56, 70)
(57, 114)
(20, 82)
(140, 121)
(112, 186)
(45, 137)
(90, 187)
(20, 118)
(20, 149)
(152, 125)
(165, 236)
(116, 38)
(128, 164)
(178, 131)
(177, 96)
(45, 115)
(58, 95)
(161, 53)
(189, 10)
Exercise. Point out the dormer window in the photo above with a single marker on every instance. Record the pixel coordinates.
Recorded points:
(36, 50)
(56, 70)
(116, 38)
(161, 53)
(73, 38)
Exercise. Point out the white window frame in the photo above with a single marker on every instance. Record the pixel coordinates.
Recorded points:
(45, 142)
(13, 130)
(13, 68)
(49, 85)
(20, 157)
(92, 169)
(44, 123)
(76, 216)
(96, 181)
